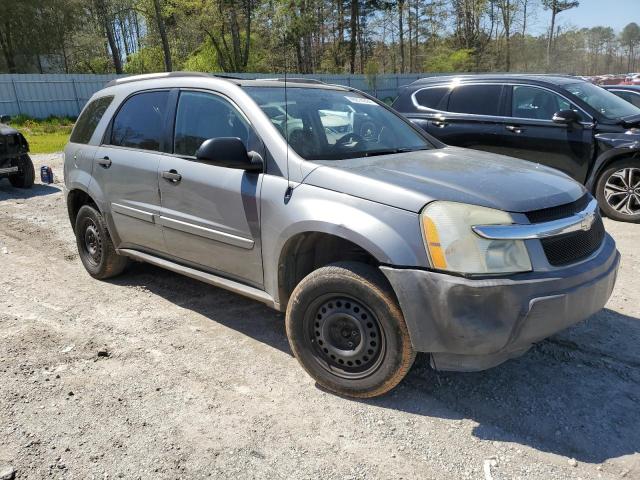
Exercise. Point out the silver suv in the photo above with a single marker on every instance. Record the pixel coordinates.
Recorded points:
(376, 239)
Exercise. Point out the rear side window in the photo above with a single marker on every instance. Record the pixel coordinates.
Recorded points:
(432, 97)
(139, 123)
(630, 97)
(475, 99)
(201, 116)
(89, 119)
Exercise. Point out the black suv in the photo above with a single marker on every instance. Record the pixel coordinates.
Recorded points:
(560, 121)
(15, 163)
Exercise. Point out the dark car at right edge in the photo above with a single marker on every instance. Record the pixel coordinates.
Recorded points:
(563, 122)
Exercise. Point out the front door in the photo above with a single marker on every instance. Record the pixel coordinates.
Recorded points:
(530, 133)
(210, 214)
(126, 171)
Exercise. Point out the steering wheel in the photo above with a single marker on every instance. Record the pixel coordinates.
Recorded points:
(349, 138)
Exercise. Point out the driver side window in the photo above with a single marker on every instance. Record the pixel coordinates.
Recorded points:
(201, 116)
(537, 103)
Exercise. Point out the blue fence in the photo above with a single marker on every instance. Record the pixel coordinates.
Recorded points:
(41, 96)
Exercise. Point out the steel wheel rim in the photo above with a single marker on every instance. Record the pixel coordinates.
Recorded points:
(347, 338)
(92, 243)
(622, 191)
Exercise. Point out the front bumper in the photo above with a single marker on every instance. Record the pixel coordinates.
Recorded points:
(474, 324)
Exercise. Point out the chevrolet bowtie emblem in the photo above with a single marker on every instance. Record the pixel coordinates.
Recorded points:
(587, 220)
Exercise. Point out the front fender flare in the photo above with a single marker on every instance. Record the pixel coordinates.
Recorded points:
(631, 149)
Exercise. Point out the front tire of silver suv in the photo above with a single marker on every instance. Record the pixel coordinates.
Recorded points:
(347, 331)
(96, 250)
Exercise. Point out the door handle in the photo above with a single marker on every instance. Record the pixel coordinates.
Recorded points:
(172, 176)
(104, 162)
(514, 128)
(439, 123)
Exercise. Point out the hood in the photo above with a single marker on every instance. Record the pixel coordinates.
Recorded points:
(411, 180)
(629, 138)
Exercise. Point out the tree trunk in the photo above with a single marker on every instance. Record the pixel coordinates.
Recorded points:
(163, 37)
(353, 36)
(550, 40)
(401, 33)
(108, 28)
(524, 32)
(6, 44)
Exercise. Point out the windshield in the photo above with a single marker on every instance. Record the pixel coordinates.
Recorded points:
(323, 124)
(609, 105)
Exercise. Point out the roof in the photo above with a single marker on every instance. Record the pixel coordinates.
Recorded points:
(635, 88)
(555, 79)
(245, 82)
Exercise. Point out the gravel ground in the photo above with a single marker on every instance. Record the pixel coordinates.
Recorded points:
(154, 375)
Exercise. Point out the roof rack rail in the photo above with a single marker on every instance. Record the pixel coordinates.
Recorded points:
(295, 80)
(151, 76)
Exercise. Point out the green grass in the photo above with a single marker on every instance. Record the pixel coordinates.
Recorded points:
(44, 136)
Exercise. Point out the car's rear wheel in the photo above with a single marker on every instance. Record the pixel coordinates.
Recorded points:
(618, 191)
(26, 173)
(346, 329)
(95, 247)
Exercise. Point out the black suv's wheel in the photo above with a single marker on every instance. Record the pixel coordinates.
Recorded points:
(618, 190)
(95, 247)
(26, 173)
(347, 331)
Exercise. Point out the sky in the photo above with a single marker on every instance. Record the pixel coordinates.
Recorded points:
(591, 13)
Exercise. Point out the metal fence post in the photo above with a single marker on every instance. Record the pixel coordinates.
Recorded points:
(15, 93)
(75, 94)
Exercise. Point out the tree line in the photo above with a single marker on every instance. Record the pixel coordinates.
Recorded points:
(307, 36)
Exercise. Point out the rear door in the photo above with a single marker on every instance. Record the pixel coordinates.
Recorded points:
(464, 115)
(530, 133)
(126, 170)
(210, 214)
(472, 116)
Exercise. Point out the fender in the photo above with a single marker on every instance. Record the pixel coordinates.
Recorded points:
(390, 234)
(617, 146)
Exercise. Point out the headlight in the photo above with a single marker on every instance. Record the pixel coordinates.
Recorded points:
(453, 246)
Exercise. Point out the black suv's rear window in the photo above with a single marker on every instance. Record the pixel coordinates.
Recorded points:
(89, 119)
(475, 99)
(432, 97)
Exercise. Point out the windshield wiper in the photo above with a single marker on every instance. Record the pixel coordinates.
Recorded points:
(391, 151)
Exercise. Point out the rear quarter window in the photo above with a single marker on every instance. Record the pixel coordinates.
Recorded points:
(433, 98)
(89, 119)
(475, 99)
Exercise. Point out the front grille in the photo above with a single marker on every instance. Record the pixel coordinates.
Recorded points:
(574, 246)
(560, 211)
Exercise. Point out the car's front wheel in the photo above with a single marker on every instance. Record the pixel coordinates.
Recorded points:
(347, 331)
(96, 250)
(618, 190)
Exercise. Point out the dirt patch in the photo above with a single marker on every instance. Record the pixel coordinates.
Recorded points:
(154, 375)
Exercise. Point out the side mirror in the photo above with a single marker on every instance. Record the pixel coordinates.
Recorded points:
(229, 152)
(566, 117)
(5, 118)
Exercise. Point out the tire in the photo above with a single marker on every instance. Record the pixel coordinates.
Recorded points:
(618, 190)
(95, 247)
(347, 331)
(26, 175)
